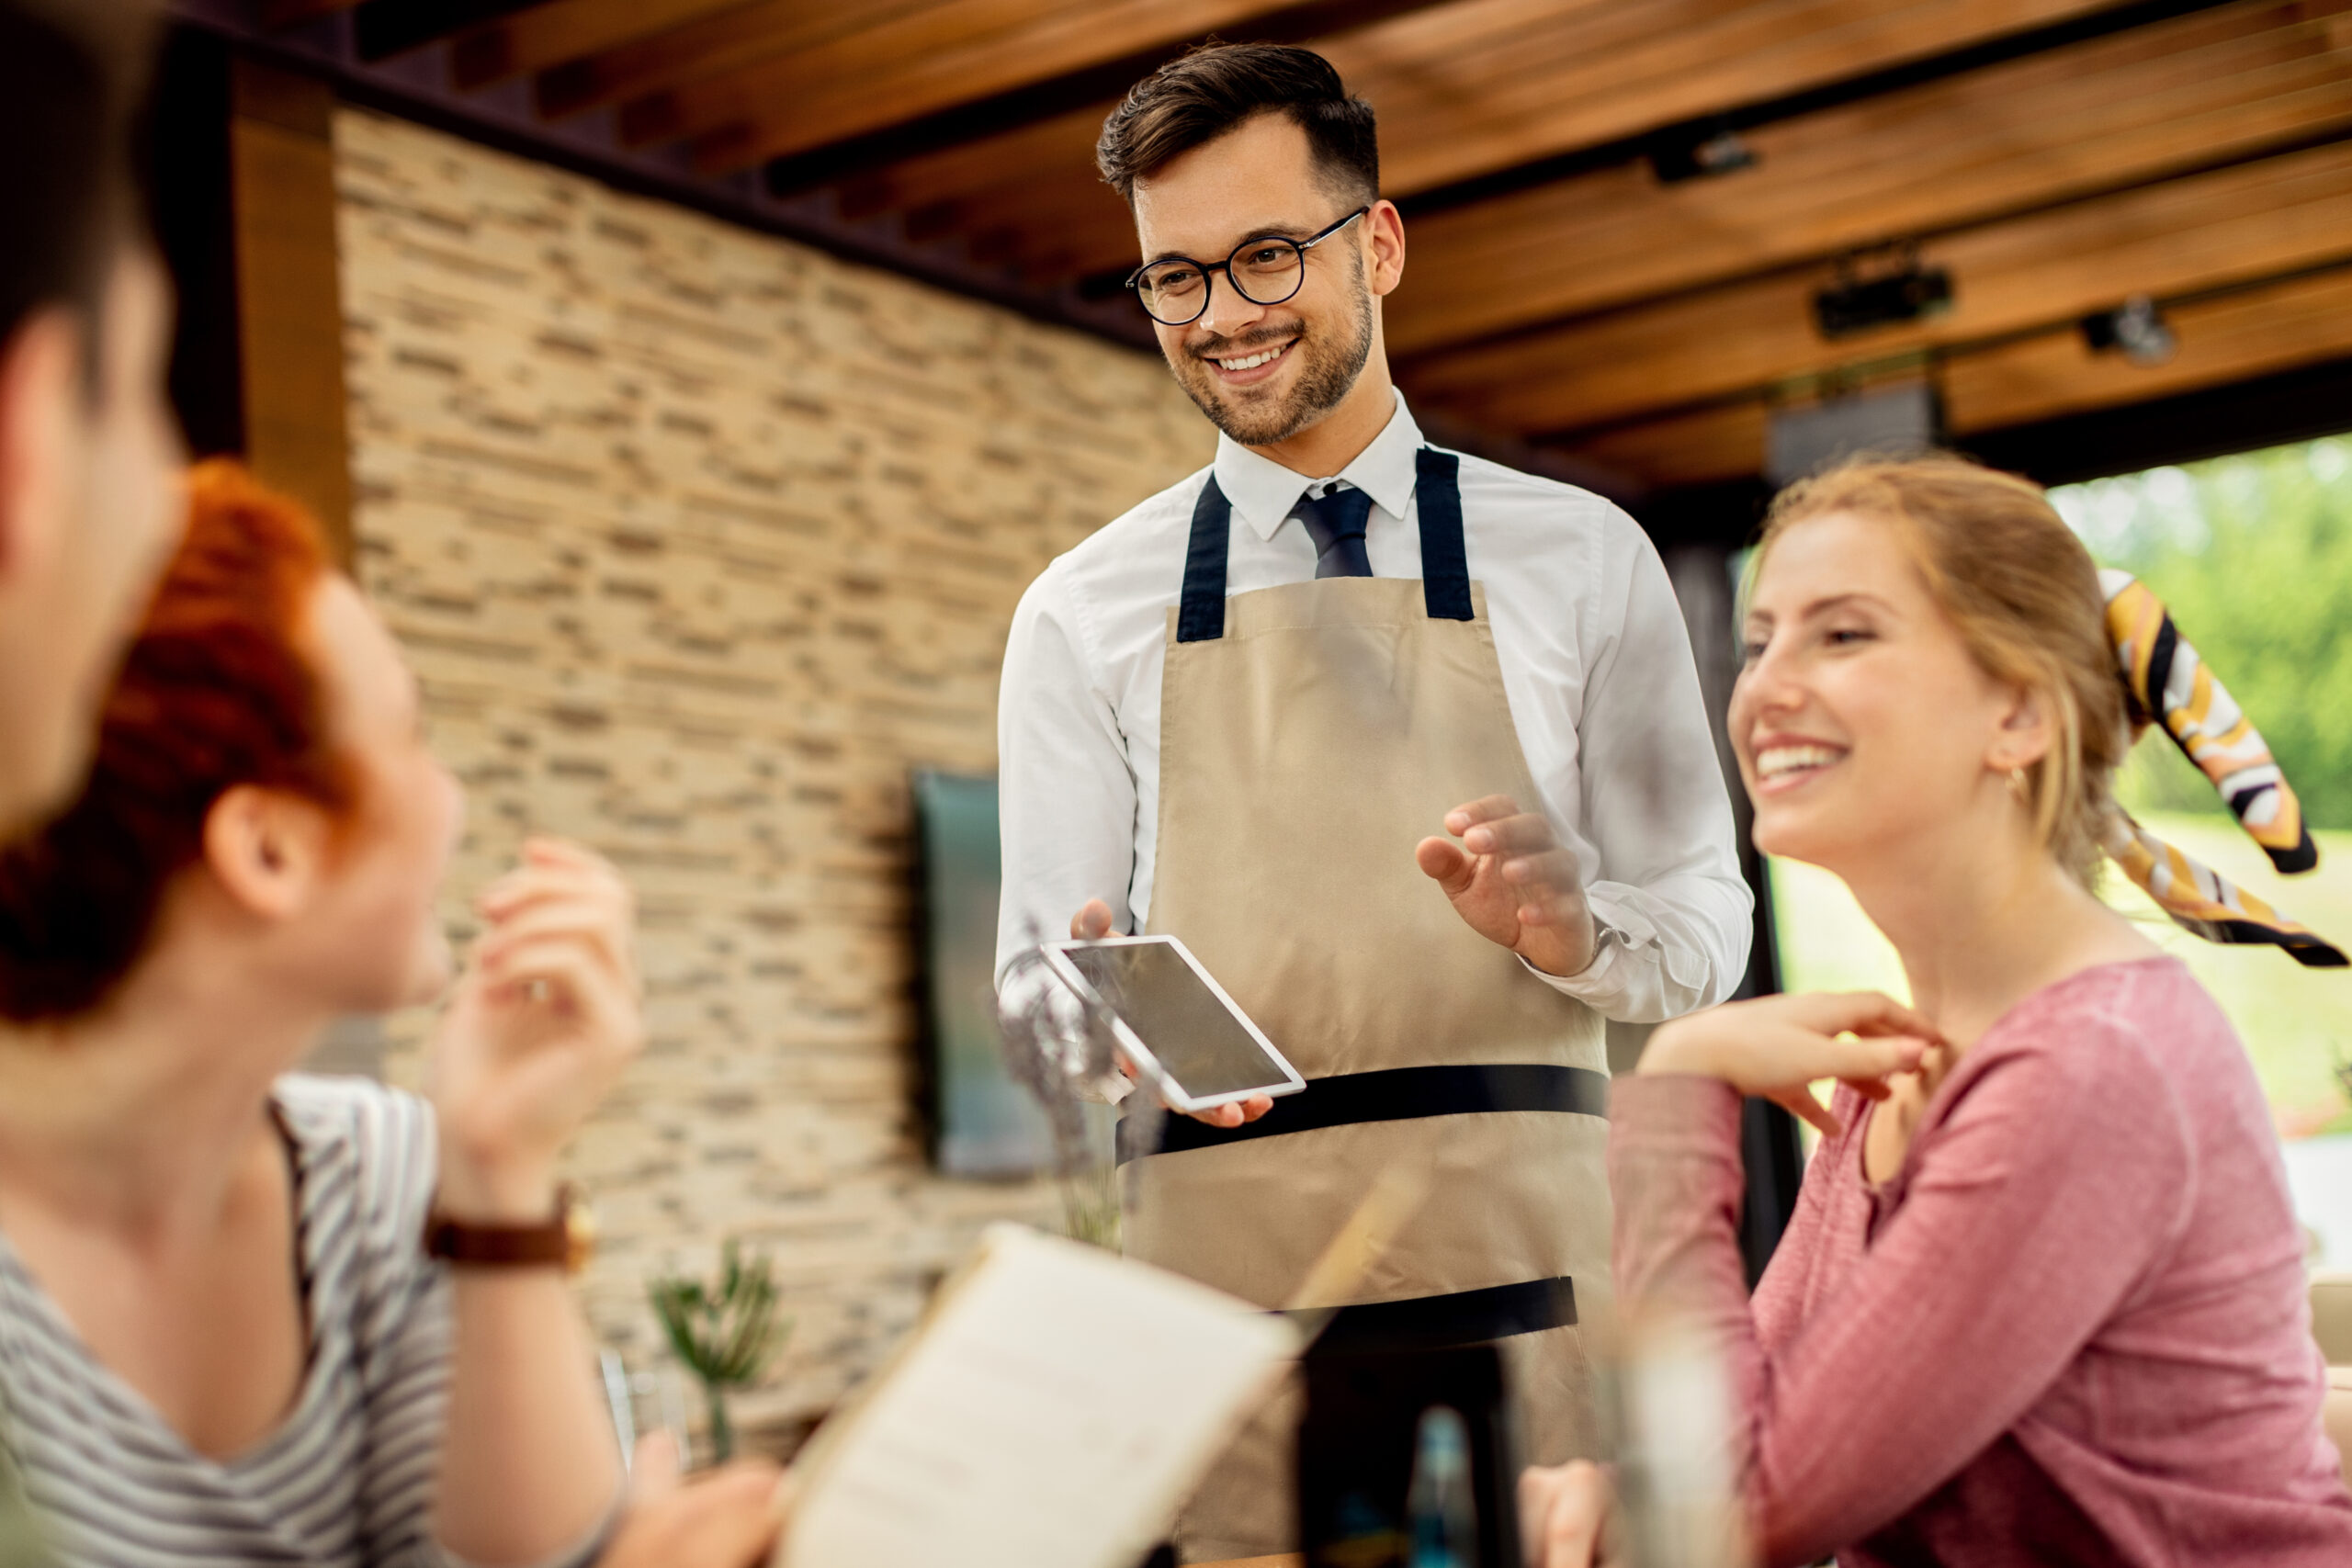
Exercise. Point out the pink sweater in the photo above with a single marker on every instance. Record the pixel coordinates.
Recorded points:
(2073, 1327)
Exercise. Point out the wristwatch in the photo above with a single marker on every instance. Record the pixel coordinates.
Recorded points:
(566, 1238)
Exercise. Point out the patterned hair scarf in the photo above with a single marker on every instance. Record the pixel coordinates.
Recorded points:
(2170, 685)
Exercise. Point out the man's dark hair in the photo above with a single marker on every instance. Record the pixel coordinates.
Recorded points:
(1199, 96)
(71, 75)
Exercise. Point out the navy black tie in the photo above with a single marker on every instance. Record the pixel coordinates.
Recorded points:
(1336, 522)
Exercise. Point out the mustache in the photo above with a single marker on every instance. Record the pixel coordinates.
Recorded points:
(1243, 343)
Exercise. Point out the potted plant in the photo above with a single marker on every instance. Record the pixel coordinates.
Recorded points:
(725, 1331)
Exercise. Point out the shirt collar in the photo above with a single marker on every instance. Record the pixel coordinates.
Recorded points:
(1264, 493)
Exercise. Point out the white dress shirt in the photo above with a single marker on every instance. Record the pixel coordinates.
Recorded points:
(1596, 666)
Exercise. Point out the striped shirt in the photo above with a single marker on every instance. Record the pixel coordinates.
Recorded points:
(348, 1477)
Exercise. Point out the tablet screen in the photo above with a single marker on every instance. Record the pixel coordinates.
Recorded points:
(1196, 1037)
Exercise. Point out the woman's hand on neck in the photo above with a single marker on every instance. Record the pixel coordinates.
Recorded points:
(1982, 916)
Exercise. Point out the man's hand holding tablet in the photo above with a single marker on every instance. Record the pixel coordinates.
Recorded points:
(1093, 923)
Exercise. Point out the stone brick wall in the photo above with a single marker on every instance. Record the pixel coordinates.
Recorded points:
(699, 540)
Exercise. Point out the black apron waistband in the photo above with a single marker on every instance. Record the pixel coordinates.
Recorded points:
(1395, 1094)
(1440, 1323)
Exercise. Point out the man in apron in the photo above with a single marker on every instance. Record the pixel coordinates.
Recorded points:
(1407, 747)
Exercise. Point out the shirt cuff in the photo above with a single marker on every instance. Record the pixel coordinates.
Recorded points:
(1603, 983)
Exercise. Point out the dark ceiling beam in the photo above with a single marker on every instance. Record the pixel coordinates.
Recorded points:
(2270, 410)
(2302, 404)
(1791, 106)
(1100, 83)
(418, 84)
(383, 29)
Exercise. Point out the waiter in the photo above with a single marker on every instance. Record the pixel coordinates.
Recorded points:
(1407, 747)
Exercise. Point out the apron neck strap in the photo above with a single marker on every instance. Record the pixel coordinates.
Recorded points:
(1445, 566)
(1445, 563)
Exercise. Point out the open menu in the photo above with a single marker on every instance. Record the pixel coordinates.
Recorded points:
(1051, 1412)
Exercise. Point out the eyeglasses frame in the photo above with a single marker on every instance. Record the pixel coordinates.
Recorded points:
(1135, 278)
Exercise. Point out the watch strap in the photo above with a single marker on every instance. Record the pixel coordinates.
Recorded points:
(557, 1241)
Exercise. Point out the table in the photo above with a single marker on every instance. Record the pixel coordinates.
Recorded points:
(1283, 1562)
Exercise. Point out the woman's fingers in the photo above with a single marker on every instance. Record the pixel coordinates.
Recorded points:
(580, 983)
(1861, 1013)
(599, 930)
(653, 1470)
(1863, 1057)
(728, 1519)
(1092, 922)
(1798, 1102)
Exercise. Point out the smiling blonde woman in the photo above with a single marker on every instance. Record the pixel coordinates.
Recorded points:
(2043, 1298)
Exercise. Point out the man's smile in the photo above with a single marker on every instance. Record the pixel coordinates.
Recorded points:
(1245, 369)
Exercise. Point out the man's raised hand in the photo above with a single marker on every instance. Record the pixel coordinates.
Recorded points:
(1513, 882)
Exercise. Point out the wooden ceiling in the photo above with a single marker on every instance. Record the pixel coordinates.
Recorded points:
(2056, 157)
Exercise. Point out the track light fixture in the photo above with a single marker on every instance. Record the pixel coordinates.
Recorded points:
(1701, 154)
(2136, 328)
(1879, 291)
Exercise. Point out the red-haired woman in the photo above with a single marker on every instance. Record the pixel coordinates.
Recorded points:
(220, 1338)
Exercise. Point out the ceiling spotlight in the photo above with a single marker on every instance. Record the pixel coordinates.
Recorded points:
(2135, 327)
(1697, 155)
(1860, 299)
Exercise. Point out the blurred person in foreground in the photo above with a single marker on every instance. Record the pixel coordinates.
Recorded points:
(2043, 1298)
(90, 506)
(89, 454)
(221, 1337)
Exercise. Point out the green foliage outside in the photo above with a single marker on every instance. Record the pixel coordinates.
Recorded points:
(2253, 555)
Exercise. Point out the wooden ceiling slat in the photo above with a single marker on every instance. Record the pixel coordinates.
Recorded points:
(2251, 220)
(2114, 113)
(743, 34)
(909, 66)
(1472, 87)
(567, 30)
(1520, 98)
(2236, 337)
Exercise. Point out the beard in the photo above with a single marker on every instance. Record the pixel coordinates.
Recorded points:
(1327, 367)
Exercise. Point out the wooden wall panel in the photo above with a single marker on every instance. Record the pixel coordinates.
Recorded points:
(288, 308)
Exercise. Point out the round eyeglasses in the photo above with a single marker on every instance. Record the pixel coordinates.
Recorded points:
(1174, 290)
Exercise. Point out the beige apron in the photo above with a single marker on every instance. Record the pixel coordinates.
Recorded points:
(1311, 736)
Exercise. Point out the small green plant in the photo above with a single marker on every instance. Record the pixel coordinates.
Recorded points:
(726, 1330)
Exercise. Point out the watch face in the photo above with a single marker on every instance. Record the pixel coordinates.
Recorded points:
(579, 1236)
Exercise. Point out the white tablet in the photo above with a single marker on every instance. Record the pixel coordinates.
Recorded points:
(1173, 1023)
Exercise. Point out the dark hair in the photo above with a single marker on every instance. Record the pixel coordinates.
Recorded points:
(71, 75)
(218, 690)
(1208, 91)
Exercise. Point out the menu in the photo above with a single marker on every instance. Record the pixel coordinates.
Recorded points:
(1051, 1412)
